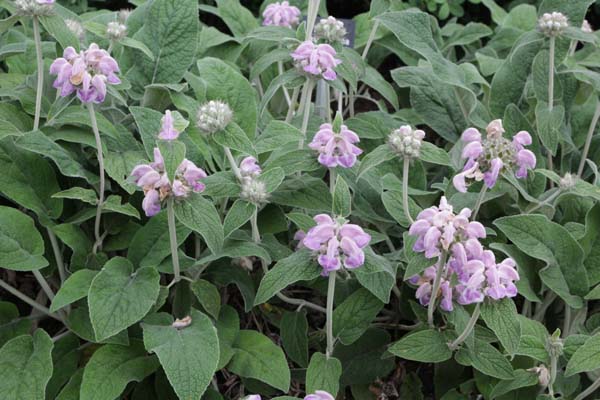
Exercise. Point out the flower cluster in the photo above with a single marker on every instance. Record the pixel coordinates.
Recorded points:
(116, 30)
(253, 190)
(336, 149)
(34, 7)
(153, 180)
(86, 73)
(486, 158)
(214, 116)
(552, 24)
(167, 130)
(316, 59)
(406, 142)
(281, 14)
(331, 30)
(337, 243)
(471, 272)
(318, 395)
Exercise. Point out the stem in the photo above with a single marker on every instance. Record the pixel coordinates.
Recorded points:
(541, 309)
(566, 321)
(545, 202)
(405, 170)
(332, 179)
(479, 201)
(40, 72)
(553, 371)
(588, 140)
(43, 284)
(234, 167)
(311, 18)
(290, 113)
(306, 97)
(17, 293)
(463, 109)
(341, 103)
(551, 73)
(436, 287)
(98, 243)
(173, 241)
(370, 40)
(57, 255)
(468, 329)
(285, 91)
(591, 389)
(329, 321)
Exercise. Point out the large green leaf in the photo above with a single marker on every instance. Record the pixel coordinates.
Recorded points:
(189, 356)
(119, 297)
(586, 358)
(422, 346)
(294, 336)
(76, 287)
(21, 245)
(501, 317)
(377, 275)
(200, 215)
(323, 373)
(354, 315)
(487, 359)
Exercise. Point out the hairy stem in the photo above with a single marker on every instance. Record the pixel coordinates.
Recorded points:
(311, 18)
(551, 92)
(329, 321)
(40, 72)
(405, 169)
(285, 91)
(591, 389)
(234, 167)
(545, 202)
(292, 107)
(588, 140)
(479, 202)
(436, 287)
(306, 99)
(332, 179)
(370, 40)
(98, 243)
(17, 293)
(468, 329)
(566, 321)
(43, 284)
(173, 241)
(57, 255)
(553, 372)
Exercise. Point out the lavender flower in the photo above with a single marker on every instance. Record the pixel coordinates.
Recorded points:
(331, 30)
(319, 395)
(316, 59)
(253, 397)
(281, 14)
(336, 149)
(167, 130)
(86, 73)
(437, 228)
(249, 167)
(425, 286)
(153, 180)
(337, 243)
(487, 158)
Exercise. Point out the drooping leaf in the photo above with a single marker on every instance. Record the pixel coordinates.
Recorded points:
(21, 245)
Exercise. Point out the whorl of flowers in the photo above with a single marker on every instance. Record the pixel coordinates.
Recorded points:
(253, 190)
(331, 30)
(34, 7)
(319, 395)
(316, 59)
(487, 158)
(337, 243)
(281, 14)
(552, 24)
(214, 116)
(116, 30)
(76, 28)
(406, 142)
(86, 73)
(336, 148)
(157, 188)
(167, 129)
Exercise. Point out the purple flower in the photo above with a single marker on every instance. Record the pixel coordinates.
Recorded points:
(249, 167)
(337, 243)
(487, 158)
(319, 395)
(425, 286)
(45, 1)
(253, 397)
(87, 73)
(153, 180)
(281, 14)
(336, 149)
(167, 130)
(316, 59)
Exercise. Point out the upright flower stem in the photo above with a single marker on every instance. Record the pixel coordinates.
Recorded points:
(234, 167)
(566, 321)
(285, 91)
(479, 201)
(405, 169)
(553, 371)
(545, 202)
(98, 243)
(591, 389)
(306, 98)
(40, 72)
(588, 140)
(332, 179)
(468, 329)
(370, 40)
(17, 293)
(173, 241)
(292, 107)
(329, 321)
(551, 89)
(57, 255)
(436, 288)
(311, 18)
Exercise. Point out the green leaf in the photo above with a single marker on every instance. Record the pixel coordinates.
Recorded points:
(586, 358)
(353, 317)
(549, 124)
(76, 287)
(237, 18)
(208, 296)
(257, 357)
(240, 212)
(21, 245)
(294, 336)
(502, 318)
(65, 360)
(342, 201)
(148, 122)
(393, 203)
(522, 379)
(234, 138)
(377, 275)
(71, 390)
(200, 215)
(272, 178)
(11, 325)
(323, 373)
(297, 267)
(189, 356)
(136, 44)
(112, 367)
(379, 155)
(545, 240)
(485, 358)
(428, 346)
(79, 323)
(432, 154)
(26, 362)
(119, 297)
(276, 135)
(228, 327)
(173, 152)
(55, 25)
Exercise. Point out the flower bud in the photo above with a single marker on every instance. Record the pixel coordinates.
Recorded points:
(331, 30)
(75, 27)
(116, 30)
(406, 142)
(123, 15)
(552, 24)
(254, 191)
(182, 323)
(214, 116)
(554, 344)
(543, 375)
(567, 181)
(586, 27)
(34, 7)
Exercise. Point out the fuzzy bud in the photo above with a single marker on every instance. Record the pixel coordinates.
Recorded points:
(567, 181)
(552, 24)
(214, 116)
(554, 344)
(543, 375)
(254, 191)
(116, 30)
(182, 323)
(331, 30)
(123, 15)
(406, 142)
(75, 27)
(34, 7)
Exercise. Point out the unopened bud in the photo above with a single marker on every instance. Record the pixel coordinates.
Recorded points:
(554, 344)
(76, 28)
(254, 191)
(331, 30)
(553, 24)
(543, 375)
(123, 15)
(34, 7)
(567, 181)
(182, 323)
(116, 30)
(406, 142)
(214, 116)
